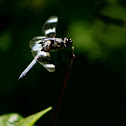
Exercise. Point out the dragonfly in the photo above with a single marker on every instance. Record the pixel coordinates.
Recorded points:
(41, 46)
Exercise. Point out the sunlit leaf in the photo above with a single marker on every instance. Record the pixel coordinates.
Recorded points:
(10, 119)
(30, 120)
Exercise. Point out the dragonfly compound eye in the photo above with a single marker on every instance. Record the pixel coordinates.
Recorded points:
(68, 42)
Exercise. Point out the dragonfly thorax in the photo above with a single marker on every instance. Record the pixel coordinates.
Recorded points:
(53, 44)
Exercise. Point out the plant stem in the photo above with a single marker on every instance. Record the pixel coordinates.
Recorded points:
(63, 87)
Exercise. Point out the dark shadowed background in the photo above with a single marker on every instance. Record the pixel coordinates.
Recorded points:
(96, 89)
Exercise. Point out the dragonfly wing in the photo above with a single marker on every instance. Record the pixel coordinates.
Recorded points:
(48, 66)
(37, 42)
(45, 60)
(49, 28)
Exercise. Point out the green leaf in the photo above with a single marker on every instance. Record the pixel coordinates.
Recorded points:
(30, 120)
(10, 119)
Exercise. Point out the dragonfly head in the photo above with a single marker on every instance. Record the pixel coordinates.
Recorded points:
(68, 42)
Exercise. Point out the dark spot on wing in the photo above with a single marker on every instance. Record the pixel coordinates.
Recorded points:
(49, 25)
(45, 60)
(52, 41)
(51, 34)
(41, 43)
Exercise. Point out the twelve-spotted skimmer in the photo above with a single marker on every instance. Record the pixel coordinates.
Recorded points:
(42, 45)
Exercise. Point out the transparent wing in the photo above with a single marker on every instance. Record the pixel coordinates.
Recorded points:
(37, 42)
(49, 28)
(45, 60)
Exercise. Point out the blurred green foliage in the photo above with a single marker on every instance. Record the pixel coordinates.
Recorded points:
(97, 82)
